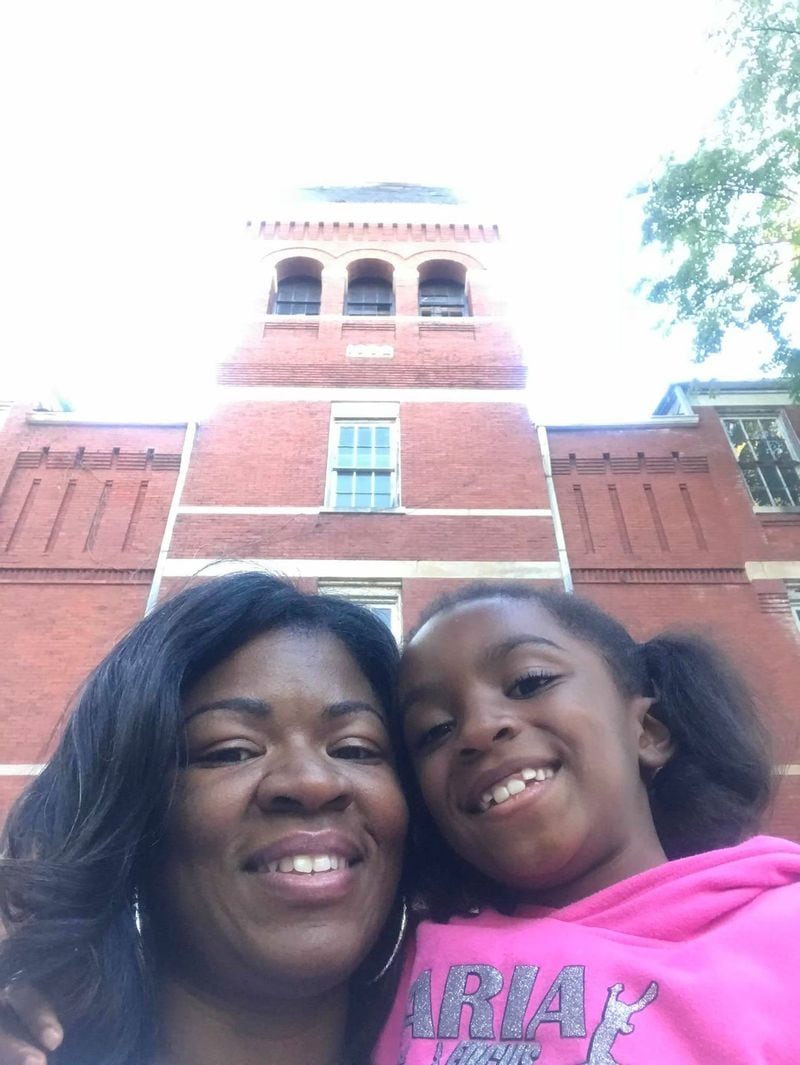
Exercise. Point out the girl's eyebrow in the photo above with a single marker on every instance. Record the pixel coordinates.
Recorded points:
(499, 650)
(490, 656)
(417, 694)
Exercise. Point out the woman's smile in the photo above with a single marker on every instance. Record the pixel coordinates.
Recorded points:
(309, 868)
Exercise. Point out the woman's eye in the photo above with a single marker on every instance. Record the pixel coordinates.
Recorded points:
(432, 735)
(358, 752)
(528, 685)
(224, 756)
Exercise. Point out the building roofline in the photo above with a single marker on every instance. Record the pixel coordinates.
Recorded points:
(663, 421)
(75, 418)
(680, 392)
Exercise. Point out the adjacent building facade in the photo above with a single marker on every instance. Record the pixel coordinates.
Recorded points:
(371, 438)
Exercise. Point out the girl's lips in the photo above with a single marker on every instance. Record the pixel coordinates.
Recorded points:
(491, 787)
(533, 792)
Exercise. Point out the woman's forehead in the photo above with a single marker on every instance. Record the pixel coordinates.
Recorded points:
(313, 660)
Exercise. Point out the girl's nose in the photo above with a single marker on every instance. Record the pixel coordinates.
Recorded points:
(484, 725)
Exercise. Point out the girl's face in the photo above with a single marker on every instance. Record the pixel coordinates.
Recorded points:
(529, 757)
(284, 849)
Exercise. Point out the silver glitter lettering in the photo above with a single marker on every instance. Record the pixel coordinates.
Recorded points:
(568, 986)
(419, 1010)
(472, 1053)
(456, 996)
(519, 995)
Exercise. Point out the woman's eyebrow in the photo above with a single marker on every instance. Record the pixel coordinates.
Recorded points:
(349, 707)
(499, 650)
(241, 705)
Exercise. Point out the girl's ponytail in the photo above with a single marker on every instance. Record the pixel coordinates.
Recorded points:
(716, 785)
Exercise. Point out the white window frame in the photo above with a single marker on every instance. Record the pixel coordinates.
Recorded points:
(793, 592)
(357, 414)
(789, 437)
(370, 594)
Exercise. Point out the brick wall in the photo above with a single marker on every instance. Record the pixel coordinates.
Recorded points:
(658, 522)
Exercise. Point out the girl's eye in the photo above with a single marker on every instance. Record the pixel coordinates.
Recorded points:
(224, 756)
(432, 735)
(358, 752)
(529, 684)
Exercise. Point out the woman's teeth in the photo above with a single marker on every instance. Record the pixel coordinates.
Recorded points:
(308, 863)
(513, 785)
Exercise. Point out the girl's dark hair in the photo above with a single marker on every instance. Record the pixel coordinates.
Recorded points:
(84, 834)
(710, 794)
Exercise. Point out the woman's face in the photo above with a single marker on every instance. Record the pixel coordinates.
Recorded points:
(284, 846)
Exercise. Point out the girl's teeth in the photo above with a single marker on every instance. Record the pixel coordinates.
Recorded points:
(514, 785)
(307, 863)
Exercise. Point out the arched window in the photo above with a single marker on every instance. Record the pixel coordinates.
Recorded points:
(442, 298)
(298, 294)
(369, 295)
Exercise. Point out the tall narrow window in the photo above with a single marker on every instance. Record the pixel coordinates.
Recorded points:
(767, 458)
(298, 295)
(369, 295)
(364, 465)
(441, 298)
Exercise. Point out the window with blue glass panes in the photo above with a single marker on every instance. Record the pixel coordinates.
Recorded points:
(364, 466)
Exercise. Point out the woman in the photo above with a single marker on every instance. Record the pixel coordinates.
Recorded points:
(207, 869)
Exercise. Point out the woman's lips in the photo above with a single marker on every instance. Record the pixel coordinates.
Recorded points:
(308, 868)
(309, 888)
(297, 852)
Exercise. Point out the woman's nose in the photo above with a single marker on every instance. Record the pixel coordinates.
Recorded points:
(484, 725)
(304, 781)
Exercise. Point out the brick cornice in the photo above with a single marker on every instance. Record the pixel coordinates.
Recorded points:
(661, 575)
(73, 575)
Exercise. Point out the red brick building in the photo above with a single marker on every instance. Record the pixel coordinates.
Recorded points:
(371, 438)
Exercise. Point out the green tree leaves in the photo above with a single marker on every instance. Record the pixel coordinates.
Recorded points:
(728, 218)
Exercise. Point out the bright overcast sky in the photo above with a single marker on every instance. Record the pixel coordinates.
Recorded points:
(141, 136)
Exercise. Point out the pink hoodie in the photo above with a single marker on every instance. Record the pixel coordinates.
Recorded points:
(695, 961)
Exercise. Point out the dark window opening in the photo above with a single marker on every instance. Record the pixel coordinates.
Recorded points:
(441, 298)
(298, 295)
(369, 295)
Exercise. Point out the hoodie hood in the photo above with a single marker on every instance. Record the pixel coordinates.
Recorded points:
(682, 898)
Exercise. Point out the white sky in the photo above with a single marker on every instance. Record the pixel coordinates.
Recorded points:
(141, 136)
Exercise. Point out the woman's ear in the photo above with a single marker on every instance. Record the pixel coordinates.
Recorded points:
(655, 740)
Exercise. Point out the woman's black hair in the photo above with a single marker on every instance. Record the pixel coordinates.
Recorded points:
(711, 793)
(84, 835)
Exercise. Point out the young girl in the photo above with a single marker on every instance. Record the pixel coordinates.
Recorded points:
(579, 802)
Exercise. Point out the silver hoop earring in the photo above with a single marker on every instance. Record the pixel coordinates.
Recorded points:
(137, 912)
(396, 948)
